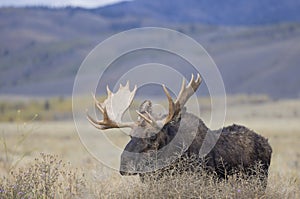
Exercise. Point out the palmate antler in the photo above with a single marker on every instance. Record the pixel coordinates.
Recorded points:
(113, 108)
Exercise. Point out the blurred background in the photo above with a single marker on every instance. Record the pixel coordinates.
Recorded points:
(255, 44)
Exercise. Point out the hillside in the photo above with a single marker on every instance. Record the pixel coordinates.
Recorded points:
(41, 48)
(216, 12)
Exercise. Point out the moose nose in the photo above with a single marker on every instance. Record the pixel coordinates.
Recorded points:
(123, 173)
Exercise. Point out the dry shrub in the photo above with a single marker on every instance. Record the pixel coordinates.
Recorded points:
(283, 186)
(47, 177)
(188, 184)
(181, 184)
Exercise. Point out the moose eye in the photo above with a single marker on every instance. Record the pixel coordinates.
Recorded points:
(153, 137)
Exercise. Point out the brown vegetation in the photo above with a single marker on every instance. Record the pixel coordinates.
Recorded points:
(62, 139)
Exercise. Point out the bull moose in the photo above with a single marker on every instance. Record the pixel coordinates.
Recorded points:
(153, 136)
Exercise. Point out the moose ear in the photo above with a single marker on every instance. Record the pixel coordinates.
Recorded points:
(146, 106)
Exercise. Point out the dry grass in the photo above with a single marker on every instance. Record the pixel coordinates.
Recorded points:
(47, 177)
(194, 186)
(276, 120)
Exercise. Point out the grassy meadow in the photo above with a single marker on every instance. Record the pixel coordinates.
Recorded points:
(42, 156)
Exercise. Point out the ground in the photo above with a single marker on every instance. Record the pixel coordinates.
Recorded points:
(277, 120)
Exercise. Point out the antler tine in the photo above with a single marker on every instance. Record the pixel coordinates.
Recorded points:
(195, 83)
(183, 85)
(191, 81)
(144, 117)
(91, 120)
(171, 105)
(150, 119)
(109, 93)
(187, 91)
(102, 125)
(97, 103)
(133, 92)
(127, 85)
(94, 122)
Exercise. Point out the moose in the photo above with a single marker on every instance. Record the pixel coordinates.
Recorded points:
(237, 149)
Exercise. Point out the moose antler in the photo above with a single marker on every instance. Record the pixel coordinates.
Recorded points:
(185, 93)
(113, 108)
(174, 107)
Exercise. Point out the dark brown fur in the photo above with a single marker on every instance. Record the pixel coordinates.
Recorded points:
(237, 149)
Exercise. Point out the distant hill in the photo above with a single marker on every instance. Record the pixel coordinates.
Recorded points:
(42, 48)
(216, 12)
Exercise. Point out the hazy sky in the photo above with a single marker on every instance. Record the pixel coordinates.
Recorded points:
(58, 3)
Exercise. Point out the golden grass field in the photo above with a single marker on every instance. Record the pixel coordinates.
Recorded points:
(23, 140)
